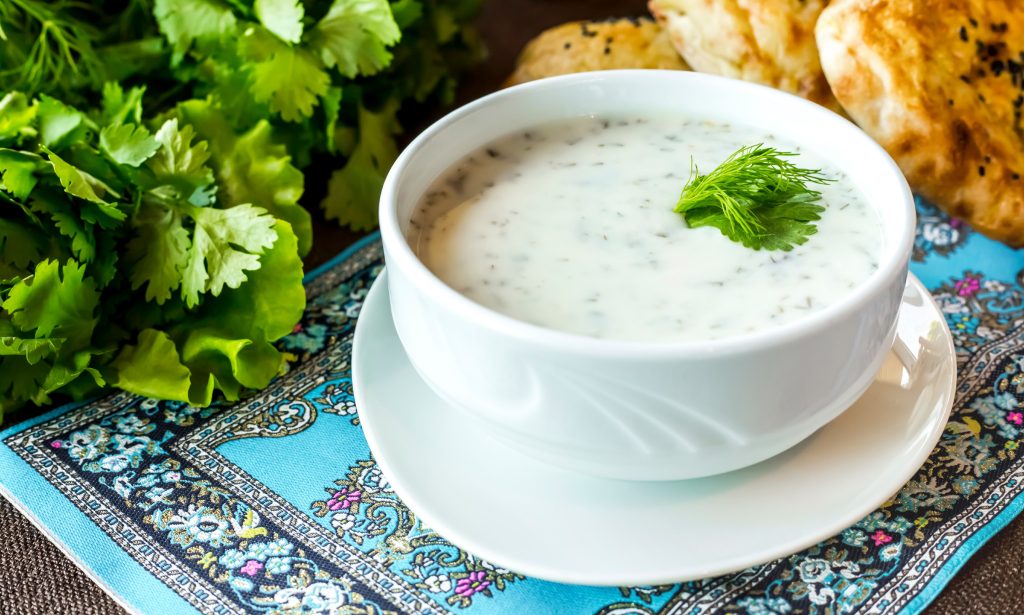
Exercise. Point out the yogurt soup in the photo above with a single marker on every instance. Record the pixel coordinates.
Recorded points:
(571, 226)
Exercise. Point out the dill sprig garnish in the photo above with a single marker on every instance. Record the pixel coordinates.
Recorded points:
(755, 197)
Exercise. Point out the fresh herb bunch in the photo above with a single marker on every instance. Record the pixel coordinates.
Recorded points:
(331, 76)
(158, 250)
(135, 258)
(756, 197)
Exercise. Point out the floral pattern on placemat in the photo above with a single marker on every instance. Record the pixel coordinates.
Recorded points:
(275, 505)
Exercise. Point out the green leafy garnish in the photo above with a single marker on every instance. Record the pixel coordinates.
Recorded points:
(756, 197)
(154, 157)
(128, 253)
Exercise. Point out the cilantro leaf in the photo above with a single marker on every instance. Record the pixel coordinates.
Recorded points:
(21, 245)
(273, 299)
(54, 205)
(181, 166)
(17, 172)
(158, 252)
(354, 190)
(252, 168)
(33, 350)
(185, 22)
(59, 123)
(290, 80)
(56, 301)
(72, 375)
(20, 381)
(756, 197)
(229, 352)
(225, 244)
(16, 114)
(77, 182)
(128, 144)
(282, 17)
(103, 267)
(120, 107)
(406, 12)
(354, 36)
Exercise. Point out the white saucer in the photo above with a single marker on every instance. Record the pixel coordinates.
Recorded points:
(558, 525)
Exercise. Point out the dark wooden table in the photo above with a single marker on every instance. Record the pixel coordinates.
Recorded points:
(36, 578)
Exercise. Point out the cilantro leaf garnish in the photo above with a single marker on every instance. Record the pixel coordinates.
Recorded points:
(756, 197)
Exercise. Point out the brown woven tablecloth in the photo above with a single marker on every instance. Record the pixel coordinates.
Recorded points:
(36, 578)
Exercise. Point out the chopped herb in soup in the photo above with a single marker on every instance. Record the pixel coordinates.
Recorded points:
(570, 226)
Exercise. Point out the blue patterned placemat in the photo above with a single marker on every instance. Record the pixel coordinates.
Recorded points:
(275, 505)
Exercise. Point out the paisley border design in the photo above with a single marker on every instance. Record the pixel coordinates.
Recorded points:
(150, 476)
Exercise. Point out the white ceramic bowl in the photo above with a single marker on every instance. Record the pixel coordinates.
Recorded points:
(637, 410)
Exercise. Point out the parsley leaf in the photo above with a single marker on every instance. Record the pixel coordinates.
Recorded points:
(756, 197)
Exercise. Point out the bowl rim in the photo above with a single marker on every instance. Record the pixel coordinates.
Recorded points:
(400, 256)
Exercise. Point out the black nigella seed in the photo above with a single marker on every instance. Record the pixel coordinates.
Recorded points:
(963, 33)
(981, 170)
(974, 22)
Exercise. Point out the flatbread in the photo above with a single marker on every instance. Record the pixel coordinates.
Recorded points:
(764, 41)
(940, 85)
(580, 46)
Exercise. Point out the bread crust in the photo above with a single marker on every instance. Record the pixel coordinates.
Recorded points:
(580, 46)
(765, 41)
(940, 86)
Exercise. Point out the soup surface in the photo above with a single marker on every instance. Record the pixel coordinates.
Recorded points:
(571, 226)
